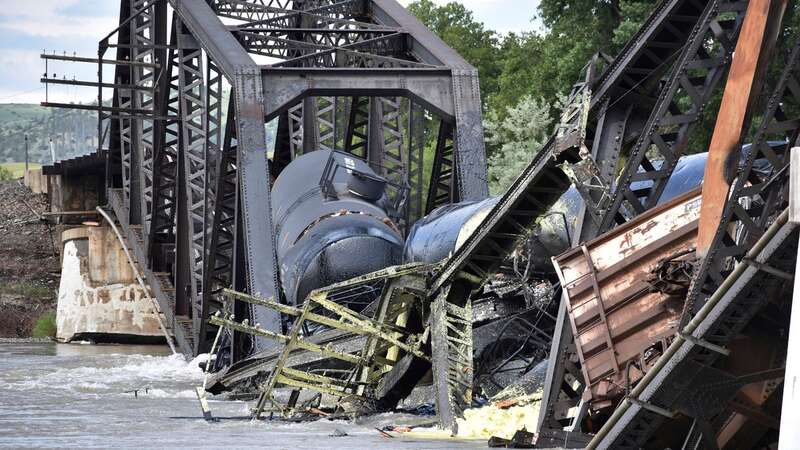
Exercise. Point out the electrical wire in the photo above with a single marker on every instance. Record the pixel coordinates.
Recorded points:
(21, 93)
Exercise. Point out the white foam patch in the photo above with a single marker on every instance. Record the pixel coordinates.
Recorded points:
(161, 393)
(120, 374)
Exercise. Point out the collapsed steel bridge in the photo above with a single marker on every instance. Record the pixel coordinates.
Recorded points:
(188, 172)
(191, 185)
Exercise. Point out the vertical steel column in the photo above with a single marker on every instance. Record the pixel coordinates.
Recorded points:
(443, 188)
(193, 155)
(470, 156)
(143, 39)
(375, 136)
(310, 133)
(126, 150)
(121, 128)
(214, 132)
(165, 168)
(357, 131)
(213, 157)
(255, 198)
(282, 154)
(395, 157)
(416, 161)
(219, 262)
(385, 142)
(296, 129)
(395, 161)
(114, 162)
(326, 123)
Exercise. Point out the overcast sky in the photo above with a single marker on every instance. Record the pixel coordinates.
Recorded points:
(28, 27)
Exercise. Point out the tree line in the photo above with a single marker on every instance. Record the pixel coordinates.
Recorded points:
(525, 76)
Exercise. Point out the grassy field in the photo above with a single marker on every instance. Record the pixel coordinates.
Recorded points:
(18, 169)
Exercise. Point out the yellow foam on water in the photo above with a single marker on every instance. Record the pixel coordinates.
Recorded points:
(488, 421)
(491, 421)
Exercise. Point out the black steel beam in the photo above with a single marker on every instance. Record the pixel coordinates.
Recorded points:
(429, 87)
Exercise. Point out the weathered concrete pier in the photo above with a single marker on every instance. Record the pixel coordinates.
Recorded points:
(99, 298)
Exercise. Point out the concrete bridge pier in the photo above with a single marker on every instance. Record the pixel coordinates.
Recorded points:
(99, 298)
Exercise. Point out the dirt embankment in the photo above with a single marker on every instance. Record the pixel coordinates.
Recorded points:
(29, 266)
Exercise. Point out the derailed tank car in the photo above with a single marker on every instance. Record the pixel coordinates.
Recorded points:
(332, 223)
(514, 316)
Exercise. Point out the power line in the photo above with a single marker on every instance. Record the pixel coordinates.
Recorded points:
(22, 93)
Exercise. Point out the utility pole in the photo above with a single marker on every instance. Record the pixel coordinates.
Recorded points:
(26, 153)
(52, 151)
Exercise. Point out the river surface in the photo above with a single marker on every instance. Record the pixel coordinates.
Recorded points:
(81, 396)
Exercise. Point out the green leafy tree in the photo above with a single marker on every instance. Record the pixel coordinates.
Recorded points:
(457, 27)
(519, 135)
(633, 13)
(543, 63)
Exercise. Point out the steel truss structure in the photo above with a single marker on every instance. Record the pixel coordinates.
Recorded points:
(642, 105)
(663, 74)
(702, 401)
(200, 87)
(739, 272)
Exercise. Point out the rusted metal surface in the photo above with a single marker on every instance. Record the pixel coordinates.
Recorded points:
(753, 49)
(623, 294)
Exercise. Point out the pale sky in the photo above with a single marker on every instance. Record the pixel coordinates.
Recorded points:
(29, 27)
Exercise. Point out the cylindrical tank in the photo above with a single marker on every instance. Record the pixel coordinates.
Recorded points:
(331, 218)
(439, 234)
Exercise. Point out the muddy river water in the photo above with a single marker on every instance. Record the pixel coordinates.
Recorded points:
(81, 396)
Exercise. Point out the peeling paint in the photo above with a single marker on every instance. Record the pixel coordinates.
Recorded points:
(113, 305)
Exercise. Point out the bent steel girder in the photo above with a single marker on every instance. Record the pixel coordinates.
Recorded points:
(692, 81)
(755, 202)
(701, 58)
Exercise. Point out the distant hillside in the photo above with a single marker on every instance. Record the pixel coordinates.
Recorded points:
(73, 132)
